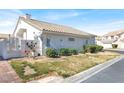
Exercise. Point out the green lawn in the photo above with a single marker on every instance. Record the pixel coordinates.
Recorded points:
(64, 67)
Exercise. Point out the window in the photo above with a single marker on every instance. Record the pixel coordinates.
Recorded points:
(71, 39)
(86, 41)
(48, 42)
(112, 37)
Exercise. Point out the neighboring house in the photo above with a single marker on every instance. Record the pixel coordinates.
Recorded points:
(45, 35)
(115, 37)
(4, 36)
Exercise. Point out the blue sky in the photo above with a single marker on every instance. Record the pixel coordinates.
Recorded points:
(94, 21)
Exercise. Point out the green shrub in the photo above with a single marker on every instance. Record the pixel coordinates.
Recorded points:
(99, 48)
(83, 49)
(51, 52)
(64, 52)
(73, 51)
(114, 45)
(67, 51)
(91, 48)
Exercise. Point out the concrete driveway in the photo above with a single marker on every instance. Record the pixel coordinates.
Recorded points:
(112, 74)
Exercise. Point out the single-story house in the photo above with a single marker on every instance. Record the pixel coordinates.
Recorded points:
(114, 37)
(42, 35)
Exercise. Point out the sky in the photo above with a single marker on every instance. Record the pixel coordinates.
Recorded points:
(95, 21)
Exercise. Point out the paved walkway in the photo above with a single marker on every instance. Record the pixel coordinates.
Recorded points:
(50, 79)
(112, 74)
(7, 74)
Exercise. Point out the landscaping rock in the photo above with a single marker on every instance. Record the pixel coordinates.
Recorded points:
(28, 70)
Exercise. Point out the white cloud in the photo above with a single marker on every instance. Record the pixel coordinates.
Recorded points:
(8, 20)
(103, 28)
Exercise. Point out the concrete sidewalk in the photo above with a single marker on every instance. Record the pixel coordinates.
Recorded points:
(50, 79)
(7, 74)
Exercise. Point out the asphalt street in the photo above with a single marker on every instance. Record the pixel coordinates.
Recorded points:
(112, 74)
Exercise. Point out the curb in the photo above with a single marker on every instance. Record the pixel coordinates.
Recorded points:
(114, 50)
(80, 77)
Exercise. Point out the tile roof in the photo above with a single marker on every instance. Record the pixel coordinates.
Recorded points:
(113, 33)
(45, 26)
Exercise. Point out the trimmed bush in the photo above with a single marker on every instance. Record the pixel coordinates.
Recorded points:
(91, 48)
(64, 52)
(114, 45)
(51, 52)
(99, 48)
(73, 51)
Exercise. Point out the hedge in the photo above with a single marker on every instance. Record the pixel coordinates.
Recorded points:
(51, 52)
(73, 51)
(64, 52)
(61, 52)
(91, 49)
(70, 51)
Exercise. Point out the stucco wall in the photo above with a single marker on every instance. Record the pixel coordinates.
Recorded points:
(120, 44)
(6, 52)
(62, 41)
(31, 32)
(105, 46)
(12, 54)
(122, 36)
(2, 47)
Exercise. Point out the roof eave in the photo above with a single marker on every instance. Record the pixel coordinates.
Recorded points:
(64, 33)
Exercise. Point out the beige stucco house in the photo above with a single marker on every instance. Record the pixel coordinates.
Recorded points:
(114, 37)
(45, 35)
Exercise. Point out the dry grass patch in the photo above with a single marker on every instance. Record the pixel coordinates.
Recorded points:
(64, 66)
